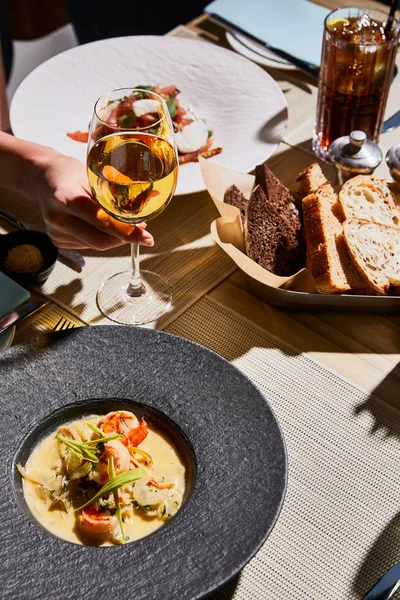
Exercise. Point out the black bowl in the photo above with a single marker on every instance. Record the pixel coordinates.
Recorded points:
(37, 238)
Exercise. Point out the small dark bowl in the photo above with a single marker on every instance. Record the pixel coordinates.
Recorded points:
(37, 238)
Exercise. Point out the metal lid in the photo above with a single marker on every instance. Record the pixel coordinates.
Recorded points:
(393, 161)
(355, 152)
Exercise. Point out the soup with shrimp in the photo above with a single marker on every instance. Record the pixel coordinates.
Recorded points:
(104, 480)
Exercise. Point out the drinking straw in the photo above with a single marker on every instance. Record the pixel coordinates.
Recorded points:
(389, 22)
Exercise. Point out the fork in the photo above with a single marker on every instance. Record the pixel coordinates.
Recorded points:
(63, 324)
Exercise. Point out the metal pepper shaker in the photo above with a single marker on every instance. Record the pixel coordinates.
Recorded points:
(354, 155)
(393, 161)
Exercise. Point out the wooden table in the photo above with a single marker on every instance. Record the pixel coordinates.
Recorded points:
(363, 349)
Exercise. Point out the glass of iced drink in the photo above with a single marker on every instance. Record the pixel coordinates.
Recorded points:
(357, 64)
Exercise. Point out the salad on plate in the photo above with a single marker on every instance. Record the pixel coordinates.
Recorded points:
(193, 138)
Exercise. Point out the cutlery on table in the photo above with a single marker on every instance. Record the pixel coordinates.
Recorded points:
(386, 586)
(392, 122)
(72, 255)
(63, 324)
(20, 313)
(310, 69)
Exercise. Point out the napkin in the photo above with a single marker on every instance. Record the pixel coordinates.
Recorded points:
(11, 295)
(294, 26)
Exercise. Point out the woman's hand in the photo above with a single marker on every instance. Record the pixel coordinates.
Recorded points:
(72, 216)
(59, 185)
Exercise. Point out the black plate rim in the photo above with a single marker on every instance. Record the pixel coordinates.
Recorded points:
(111, 332)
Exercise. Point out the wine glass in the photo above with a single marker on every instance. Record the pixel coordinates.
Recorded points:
(132, 166)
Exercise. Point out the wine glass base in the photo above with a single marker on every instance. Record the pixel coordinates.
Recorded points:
(115, 304)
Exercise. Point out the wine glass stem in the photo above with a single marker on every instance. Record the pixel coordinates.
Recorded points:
(135, 286)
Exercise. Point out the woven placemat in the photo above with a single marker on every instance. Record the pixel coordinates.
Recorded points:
(339, 527)
(184, 253)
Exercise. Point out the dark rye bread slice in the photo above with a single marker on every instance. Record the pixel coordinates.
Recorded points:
(280, 198)
(276, 192)
(236, 198)
(273, 233)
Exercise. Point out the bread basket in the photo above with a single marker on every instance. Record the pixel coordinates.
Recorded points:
(295, 292)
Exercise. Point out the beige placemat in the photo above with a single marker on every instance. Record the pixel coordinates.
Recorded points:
(339, 528)
(184, 253)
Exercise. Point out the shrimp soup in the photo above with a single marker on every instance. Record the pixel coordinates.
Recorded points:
(104, 480)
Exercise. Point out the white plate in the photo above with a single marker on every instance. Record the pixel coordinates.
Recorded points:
(241, 103)
(256, 52)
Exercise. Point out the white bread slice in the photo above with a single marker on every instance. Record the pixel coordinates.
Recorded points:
(327, 192)
(375, 251)
(310, 179)
(370, 198)
(327, 256)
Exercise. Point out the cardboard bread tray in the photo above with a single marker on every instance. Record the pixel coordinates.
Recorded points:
(295, 292)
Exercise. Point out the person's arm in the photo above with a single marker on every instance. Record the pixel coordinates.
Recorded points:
(59, 185)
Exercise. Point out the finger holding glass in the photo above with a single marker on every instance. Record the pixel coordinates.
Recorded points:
(132, 167)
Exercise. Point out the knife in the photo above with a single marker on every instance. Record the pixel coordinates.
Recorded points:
(73, 255)
(310, 69)
(20, 313)
(386, 586)
(392, 122)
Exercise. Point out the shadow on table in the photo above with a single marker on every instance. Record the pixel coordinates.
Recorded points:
(388, 387)
(68, 292)
(384, 554)
(226, 591)
(179, 271)
(385, 551)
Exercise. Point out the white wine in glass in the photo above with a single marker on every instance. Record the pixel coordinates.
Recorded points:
(132, 167)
